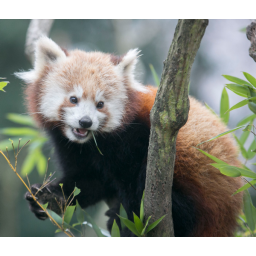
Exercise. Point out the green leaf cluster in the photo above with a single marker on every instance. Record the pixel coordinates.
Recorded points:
(82, 217)
(138, 227)
(35, 157)
(247, 89)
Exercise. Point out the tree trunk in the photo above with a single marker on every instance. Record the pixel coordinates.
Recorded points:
(168, 115)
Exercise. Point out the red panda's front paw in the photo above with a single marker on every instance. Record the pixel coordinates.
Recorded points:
(41, 197)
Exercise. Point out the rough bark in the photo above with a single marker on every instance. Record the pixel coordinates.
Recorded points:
(168, 115)
(251, 35)
(36, 29)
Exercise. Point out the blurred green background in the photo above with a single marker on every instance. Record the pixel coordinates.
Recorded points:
(224, 50)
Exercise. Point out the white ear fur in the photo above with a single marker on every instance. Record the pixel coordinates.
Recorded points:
(128, 62)
(127, 66)
(47, 52)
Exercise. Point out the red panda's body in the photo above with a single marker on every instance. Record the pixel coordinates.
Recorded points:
(75, 95)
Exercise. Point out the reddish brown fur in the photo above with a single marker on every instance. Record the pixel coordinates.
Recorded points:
(217, 209)
(33, 96)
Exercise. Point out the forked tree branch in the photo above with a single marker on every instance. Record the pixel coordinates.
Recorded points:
(168, 115)
(36, 29)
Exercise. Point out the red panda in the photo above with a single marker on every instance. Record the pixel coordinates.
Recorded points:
(75, 95)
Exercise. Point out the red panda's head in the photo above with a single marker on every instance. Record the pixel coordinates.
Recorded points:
(80, 91)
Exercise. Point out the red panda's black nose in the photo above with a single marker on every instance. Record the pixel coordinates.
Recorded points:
(85, 122)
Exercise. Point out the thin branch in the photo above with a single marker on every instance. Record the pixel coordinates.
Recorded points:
(34, 198)
(251, 36)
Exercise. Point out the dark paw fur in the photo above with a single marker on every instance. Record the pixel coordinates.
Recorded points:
(43, 196)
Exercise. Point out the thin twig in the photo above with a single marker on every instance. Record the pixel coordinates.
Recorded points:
(34, 198)
(250, 183)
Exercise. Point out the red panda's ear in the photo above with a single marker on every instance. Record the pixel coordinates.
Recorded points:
(128, 62)
(47, 53)
(126, 68)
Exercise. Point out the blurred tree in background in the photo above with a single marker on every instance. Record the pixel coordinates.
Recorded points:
(224, 50)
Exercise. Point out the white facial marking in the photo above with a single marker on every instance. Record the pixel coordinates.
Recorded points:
(53, 96)
(77, 92)
(99, 96)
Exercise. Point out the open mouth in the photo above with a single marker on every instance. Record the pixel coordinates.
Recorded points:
(80, 132)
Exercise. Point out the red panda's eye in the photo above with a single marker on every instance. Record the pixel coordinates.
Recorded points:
(100, 104)
(73, 100)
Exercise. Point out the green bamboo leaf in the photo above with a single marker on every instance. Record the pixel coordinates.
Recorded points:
(2, 85)
(29, 163)
(7, 143)
(20, 119)
(130, 225)
(79, 213)
(19, 132)
(248, 210)
(96, 143)
(239, 90)
(246, 120)
(252, 99)
(69, 213)
(227, 170)
(77, 191)
(236, 80)
(208, 107)
(243, 172)
(224, 106)
(144, 229)
(115, 232)
(222, 134)
(37, 143)
(45, 206)
(94, 225)
(246, 186)
(252, 147)
(244, 136)
(250, 78)
(138, 223)
(154, 224)
(123, 214)
(58, 219)
(238, 105)
(76, 224)
(241, 147)
(41, 163)
(155, 76)
(215, 159)
(252, 106)
(142, 207)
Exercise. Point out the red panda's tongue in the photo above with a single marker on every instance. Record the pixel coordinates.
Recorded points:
(81, 132)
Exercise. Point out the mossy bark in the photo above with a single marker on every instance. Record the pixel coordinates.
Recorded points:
(251, 36)
(168, 115)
